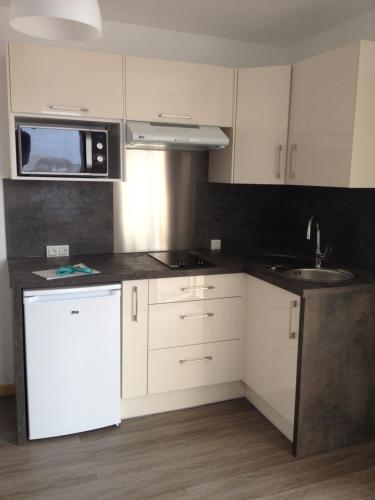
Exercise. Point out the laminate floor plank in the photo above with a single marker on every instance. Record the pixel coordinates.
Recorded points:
(214, 452)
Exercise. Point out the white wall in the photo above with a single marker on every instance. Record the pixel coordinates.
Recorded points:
(362, 27)
(132, 40)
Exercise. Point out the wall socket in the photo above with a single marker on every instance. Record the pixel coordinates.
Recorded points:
(57, 250)
(215, 244)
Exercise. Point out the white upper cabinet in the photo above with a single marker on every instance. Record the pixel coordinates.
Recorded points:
(332, 121)
(261, 125)
(46, 79)
(178, 92)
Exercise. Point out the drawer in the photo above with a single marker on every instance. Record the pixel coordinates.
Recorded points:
(194, 366)
(196, 322)
(196, 288)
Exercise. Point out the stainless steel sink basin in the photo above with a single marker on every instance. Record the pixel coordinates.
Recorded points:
(320, 275)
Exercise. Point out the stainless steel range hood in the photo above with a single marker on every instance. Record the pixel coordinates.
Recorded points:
(164, 136)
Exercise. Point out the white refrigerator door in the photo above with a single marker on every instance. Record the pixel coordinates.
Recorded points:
(72, 361)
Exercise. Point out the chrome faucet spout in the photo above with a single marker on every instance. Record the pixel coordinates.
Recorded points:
(319, 256)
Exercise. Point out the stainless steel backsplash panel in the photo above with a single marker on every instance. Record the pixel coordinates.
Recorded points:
(155, 208)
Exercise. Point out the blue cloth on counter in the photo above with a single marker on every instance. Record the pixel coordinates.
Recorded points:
(79, 268)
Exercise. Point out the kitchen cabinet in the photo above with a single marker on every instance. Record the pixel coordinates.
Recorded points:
(178, 92)
(134, 338)
(53, 80)
(261, 125)
(258, 150)
(195, 331)
(270, 351)
(332, 119)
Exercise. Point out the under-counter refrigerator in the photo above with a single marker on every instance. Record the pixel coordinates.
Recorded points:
(73, 359)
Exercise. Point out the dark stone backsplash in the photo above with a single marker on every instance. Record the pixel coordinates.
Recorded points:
(250, 217)
(244, 217)
(40, 213)
(347, 221)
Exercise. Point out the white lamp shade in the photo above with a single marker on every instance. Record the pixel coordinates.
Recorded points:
(67, 20)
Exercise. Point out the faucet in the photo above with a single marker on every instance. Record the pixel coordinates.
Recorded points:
(319, 255)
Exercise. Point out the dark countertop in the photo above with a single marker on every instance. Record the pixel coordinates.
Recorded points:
(136, 266)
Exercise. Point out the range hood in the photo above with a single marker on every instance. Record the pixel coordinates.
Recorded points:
(155, 135)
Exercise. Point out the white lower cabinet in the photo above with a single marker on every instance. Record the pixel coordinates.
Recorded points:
(190, 333)
(270, 351)
(194, 366)
(134, 338)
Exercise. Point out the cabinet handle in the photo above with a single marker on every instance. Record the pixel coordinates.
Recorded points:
(292, 174)
(278, 165)
(186, 288)
(68, 108)
(192, 360)
(292, 305)
(186, 116)
(193, 316)
(135, 304)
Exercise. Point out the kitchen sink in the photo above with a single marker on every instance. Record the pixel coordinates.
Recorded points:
(319, 275)
(279, 261)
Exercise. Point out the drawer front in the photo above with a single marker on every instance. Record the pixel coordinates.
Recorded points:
(196, 288)
(194, 366)
(196, 322)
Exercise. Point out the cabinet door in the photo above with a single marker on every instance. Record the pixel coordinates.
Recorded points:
(262, 125)
(134, 338)
(54, 80)
(178, 92)
(271, 343)
(322, 119)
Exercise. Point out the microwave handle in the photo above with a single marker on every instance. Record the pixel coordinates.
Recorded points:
(88, 151)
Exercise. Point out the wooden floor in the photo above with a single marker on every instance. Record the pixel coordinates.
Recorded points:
(220, 451)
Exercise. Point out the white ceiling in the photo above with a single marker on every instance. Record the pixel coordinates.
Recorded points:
(273, 22)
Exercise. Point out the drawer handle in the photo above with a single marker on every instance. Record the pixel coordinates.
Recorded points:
(192, 360)
(135, 304)
(292, 305)
(194, 316)
(68, 108)
(186, 288)
(186, 116)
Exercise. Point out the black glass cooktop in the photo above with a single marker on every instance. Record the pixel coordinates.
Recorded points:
(181, 260)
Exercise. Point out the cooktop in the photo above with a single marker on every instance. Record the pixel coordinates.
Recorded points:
(180, 259)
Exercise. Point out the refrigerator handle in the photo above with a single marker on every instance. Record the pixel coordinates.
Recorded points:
(68, 296)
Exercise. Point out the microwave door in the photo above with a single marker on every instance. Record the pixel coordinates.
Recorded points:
(49, 151)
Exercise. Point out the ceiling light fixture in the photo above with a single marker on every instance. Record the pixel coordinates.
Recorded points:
(65, 20)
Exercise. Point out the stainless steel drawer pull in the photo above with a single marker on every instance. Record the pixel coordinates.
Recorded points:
(68, 108)
(193, 316)
(186, 288)
(135, 304)
(292, 305)
(278, 168)
(192, 360)
(186, 116)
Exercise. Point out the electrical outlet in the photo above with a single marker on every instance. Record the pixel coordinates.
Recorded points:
(57, 250)
(215, 244)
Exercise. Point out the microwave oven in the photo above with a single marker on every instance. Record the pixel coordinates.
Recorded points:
(52, 150)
